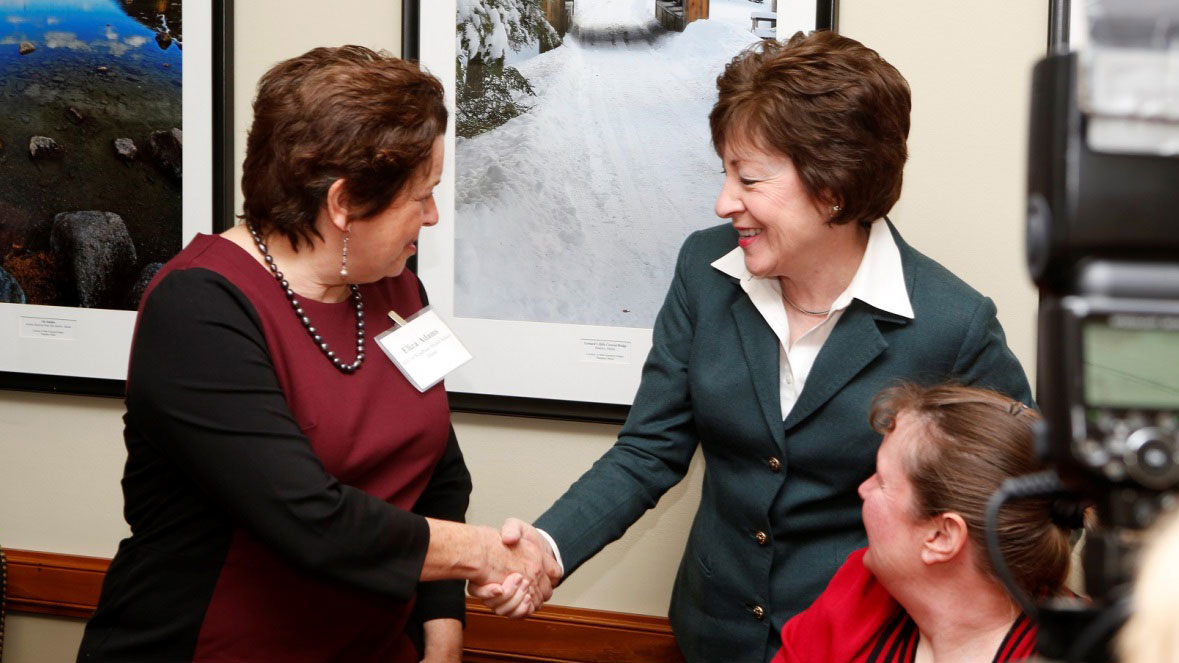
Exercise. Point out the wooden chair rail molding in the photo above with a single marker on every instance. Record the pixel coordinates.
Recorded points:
(68, 585)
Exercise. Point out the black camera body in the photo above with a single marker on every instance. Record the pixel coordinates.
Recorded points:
(1113, 425)
(1084, 204)
(1103, 248)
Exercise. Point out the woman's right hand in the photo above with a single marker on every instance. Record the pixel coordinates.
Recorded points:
(507, 555)
(504, 599)
(486, 557)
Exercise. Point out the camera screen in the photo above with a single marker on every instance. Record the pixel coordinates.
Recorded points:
(1132, 362)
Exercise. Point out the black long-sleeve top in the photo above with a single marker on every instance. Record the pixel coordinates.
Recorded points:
(277, 506)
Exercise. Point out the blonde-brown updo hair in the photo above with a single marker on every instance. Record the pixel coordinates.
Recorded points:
(975, 439)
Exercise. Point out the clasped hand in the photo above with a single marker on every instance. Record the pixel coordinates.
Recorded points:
(520, 574)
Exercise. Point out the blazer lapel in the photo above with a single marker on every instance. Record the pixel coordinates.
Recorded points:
(853, 344)
(761, 357)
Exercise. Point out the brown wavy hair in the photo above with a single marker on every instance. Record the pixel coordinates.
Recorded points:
(831, 104)
(332, 113)
(975, 440)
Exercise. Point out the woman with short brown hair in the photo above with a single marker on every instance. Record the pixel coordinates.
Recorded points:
(834, 106)
(924, 588)
(778, 329)
(291, 495)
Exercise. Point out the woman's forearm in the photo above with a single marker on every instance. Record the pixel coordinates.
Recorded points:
(457, 551)
(444, 641)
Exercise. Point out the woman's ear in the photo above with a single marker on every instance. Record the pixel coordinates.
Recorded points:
(944, 540)
(336, 205)
(828, 203)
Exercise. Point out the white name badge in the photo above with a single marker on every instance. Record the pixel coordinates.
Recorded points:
(424, 349)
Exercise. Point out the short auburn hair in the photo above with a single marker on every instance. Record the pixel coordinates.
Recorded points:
(836, 108)
(975, 439)
(332, 113)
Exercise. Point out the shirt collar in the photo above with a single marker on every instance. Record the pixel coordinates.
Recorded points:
(879, 281)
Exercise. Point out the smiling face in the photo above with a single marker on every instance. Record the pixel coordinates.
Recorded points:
(380, 245)
(777, 219)
(895, 533)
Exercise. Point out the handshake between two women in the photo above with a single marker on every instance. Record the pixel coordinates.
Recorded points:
(512, 571)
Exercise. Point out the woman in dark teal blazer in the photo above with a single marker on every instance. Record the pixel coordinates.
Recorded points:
(779, 328)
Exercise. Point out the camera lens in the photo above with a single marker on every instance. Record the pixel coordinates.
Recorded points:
(1151, 459)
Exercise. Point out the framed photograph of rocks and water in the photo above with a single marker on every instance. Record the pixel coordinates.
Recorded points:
(114, 140)
(578, 161)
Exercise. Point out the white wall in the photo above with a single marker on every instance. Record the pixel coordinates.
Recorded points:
(968, 64)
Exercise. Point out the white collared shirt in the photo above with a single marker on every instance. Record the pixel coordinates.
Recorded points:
(879, 281)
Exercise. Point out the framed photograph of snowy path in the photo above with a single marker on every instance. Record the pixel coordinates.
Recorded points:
(114, 153)
(578, 160)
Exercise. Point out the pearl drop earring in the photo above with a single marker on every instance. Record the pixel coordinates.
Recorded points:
(344, 256)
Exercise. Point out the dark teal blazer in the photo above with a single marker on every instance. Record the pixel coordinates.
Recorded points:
(712, 379)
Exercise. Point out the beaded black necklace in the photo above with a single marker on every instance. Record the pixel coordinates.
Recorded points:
(323, 346)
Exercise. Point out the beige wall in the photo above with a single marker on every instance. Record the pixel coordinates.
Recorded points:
(968, 63)
(969, 66)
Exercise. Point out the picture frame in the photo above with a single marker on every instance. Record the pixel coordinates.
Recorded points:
(1059, 24)
(75, 350)
(544, 368)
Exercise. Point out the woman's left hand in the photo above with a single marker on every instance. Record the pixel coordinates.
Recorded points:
(510, 599)
(444, 641)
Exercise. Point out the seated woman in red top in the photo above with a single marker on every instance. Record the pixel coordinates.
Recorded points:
(923, 589)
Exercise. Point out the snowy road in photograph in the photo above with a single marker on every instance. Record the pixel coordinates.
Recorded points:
(573, 212)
